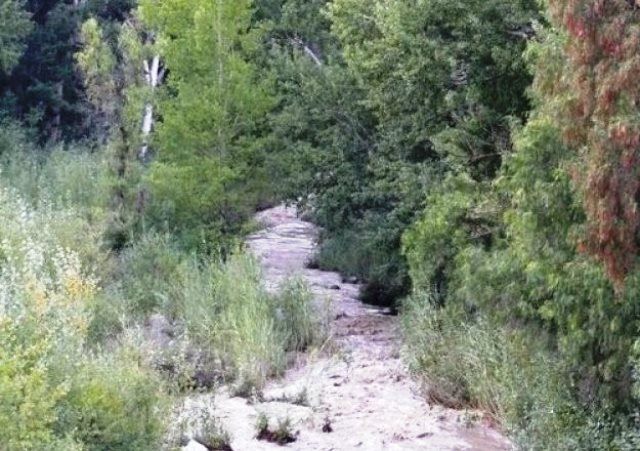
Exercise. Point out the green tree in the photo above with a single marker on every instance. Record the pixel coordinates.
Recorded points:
(45, 90)
(15, 26)
(121, 80)
(530, 275)
(207, 176)
(443, 81)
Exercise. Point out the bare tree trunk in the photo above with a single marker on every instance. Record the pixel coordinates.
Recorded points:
(154, 75)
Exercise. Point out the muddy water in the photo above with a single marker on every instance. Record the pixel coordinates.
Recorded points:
(361, 389)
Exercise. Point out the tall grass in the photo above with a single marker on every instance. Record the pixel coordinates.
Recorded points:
(226, 308)
(471, 362)
(68, 176)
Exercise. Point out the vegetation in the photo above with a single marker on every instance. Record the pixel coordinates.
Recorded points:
(473, 163)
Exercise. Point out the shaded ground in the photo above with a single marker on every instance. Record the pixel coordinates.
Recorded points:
(358, 397)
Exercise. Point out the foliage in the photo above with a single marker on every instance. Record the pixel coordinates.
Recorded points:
(45, 89)
(227, 310)
(145, 274)
(114, 405)
(115, 84)
(14, 28)
(298, 320)
(46, 294)
(208, 176)
(530, 279)
(408, 94)
(459, 213)
(433, 150)
(599, 120)
(508, 373)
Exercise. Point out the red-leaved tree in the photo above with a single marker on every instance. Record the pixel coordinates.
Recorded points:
(601, 120)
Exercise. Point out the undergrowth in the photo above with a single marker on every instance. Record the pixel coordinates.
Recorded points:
(466, 361)
(54, 393)
(227, 309)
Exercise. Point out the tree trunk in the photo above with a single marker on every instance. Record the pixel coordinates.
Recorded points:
(154, 75)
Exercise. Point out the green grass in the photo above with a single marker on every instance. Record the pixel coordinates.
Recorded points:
(226, 309)
(510, 374)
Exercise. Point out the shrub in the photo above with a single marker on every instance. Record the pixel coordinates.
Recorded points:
(46, 294)
(509, 373)
(113, 404)
(28, 399)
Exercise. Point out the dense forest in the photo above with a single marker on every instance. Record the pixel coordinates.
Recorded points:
(475, 164)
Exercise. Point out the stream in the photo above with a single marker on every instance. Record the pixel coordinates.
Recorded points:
(358, 394)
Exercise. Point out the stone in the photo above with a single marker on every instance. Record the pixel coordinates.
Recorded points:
(195, 446)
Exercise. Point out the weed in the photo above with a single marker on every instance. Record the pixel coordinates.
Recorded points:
(300, 398)
(227, 310)
(282, 434)
(202, 425)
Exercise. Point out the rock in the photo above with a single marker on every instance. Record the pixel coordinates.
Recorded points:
(335, 287)
(159, 331)
(195, 446)
(352, 280)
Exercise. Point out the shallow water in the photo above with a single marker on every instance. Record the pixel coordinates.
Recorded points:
(362, 388)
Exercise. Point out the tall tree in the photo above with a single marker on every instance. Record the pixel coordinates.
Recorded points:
(45, 89)
(208, 151)
(600, 120)
(15, 26)
(121, 79)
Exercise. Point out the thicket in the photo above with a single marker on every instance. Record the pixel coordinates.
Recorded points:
(549, 319)
(56, 392)
(122, 281)
(79, 365)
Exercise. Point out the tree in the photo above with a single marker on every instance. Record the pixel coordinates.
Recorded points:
(600, 121)
(206, 178)
(45, 90)
(15, 26)
(121, 82)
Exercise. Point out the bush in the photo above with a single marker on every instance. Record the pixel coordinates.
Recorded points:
(509, 373)
(46, 297)
(113, 404)
(28, 399)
